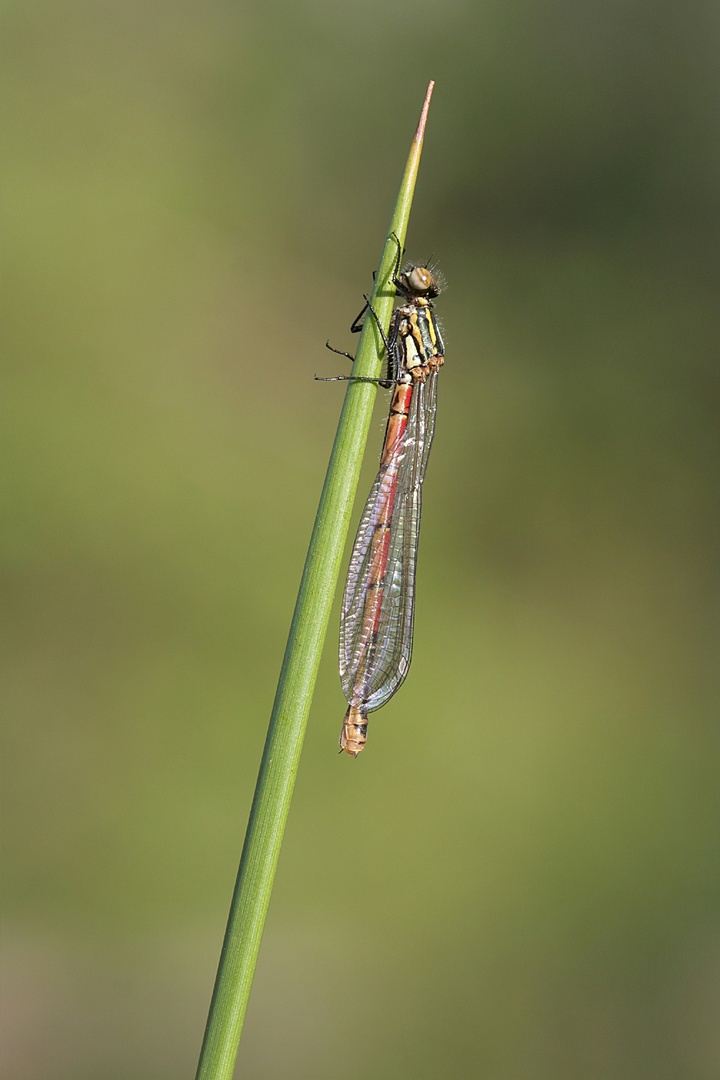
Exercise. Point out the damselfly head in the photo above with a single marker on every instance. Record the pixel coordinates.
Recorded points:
(419, 280)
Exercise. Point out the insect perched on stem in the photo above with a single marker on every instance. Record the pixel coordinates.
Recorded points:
(376, 623)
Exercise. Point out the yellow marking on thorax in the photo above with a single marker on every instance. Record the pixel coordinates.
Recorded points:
(413, 345)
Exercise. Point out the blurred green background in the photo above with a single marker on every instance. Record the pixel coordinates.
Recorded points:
(520, 878)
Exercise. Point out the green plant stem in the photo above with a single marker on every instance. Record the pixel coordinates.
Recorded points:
(281, 755)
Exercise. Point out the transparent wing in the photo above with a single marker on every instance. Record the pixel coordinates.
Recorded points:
(376, 626)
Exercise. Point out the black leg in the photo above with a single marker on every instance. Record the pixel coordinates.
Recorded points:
(358, 378)
(386, 343)
(358, 321)
(340, 352)
(396, 271)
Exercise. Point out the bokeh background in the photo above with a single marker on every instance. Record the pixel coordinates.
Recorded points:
(520, 878)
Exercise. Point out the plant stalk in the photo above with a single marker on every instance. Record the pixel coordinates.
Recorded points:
(288, 721)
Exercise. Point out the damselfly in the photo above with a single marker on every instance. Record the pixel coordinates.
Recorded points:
(376, 623)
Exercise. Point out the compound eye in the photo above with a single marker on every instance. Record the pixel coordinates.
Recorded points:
(420, 279)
